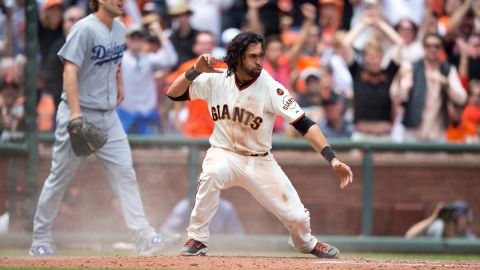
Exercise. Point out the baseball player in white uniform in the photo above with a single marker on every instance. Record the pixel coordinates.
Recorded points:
(92, 89)
(243, 102)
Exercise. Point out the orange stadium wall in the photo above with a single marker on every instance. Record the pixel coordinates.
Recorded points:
(406, 188)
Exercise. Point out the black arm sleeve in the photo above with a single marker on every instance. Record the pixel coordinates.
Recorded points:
(182, 97)
(303, 124)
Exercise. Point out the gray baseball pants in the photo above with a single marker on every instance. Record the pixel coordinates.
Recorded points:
(116, 159)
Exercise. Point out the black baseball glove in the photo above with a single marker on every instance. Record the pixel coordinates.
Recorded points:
(85, 137)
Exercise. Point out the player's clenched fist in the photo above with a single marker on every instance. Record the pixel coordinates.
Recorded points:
(206, 63)
(343, 171)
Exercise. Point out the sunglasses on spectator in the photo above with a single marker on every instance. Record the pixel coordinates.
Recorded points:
(433, 45)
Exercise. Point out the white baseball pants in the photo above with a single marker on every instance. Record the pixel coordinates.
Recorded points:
(264, 179)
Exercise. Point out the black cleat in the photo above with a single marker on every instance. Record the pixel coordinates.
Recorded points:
(325, 251)
(193, 248)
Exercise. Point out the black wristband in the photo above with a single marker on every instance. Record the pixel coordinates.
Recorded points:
(328, 154)
(191, 74)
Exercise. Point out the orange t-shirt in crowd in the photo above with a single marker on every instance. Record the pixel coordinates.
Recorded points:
(199, 122)
(468, 126)
(45, 113)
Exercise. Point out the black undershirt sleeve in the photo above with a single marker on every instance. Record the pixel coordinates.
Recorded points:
(182, 97)
(303, 124)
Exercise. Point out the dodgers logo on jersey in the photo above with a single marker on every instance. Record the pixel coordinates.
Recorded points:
(102, 55)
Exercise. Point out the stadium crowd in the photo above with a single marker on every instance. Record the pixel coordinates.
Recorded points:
(381, 70)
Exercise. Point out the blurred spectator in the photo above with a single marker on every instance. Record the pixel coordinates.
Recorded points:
(233, 16)
(199, 123)
(138, 112)
(311, 96)
(12, 18)
(395, 11)
(434, 85)
(225, 220)
(459, 27)
(50, 27)
(469, 59)
(335, 124)
(11, 110)
(50, 30)
(412, 50)
(362, 9)
(53, 73)
(467, 127)
(207, 15)
(280, 62)
(476, 12)
(6, 30)
(447, 220)
(263, 17)
(458, 20)
(471, 114)
(371, 84)
(183, 35)
(330, 15)
(330, 49)
(310, 100)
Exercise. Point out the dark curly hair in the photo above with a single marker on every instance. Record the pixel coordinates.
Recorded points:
(236, 49)
(93, 5)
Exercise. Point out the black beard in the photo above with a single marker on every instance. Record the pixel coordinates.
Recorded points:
(252, 73)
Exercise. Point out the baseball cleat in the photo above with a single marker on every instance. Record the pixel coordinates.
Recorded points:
(42, 250)
(155, 244)
(324, 250)
(193, 248)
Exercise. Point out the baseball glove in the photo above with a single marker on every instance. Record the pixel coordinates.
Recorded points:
(85, 137)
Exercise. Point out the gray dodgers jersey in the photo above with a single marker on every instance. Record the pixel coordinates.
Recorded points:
(98, 51)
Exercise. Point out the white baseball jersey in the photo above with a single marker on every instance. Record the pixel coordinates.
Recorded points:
(244, 117)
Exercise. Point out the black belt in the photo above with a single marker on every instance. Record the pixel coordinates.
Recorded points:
(259, 155)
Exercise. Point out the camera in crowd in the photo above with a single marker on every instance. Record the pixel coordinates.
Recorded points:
(450, 212)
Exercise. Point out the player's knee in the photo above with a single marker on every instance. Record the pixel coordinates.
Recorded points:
(123, 174)
(297, 218)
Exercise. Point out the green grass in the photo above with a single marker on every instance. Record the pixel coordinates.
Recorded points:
(400, 256)
(18, 253)
(65, 253)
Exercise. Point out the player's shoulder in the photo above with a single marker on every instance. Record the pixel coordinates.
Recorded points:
(87, 21)
(269, 83)
(85, 24)
(119, 25)
(82, 29)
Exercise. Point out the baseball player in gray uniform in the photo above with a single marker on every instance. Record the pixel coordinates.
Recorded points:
(243, 102)
(92, 55)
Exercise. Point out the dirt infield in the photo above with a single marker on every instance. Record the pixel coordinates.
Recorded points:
(231, 262)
